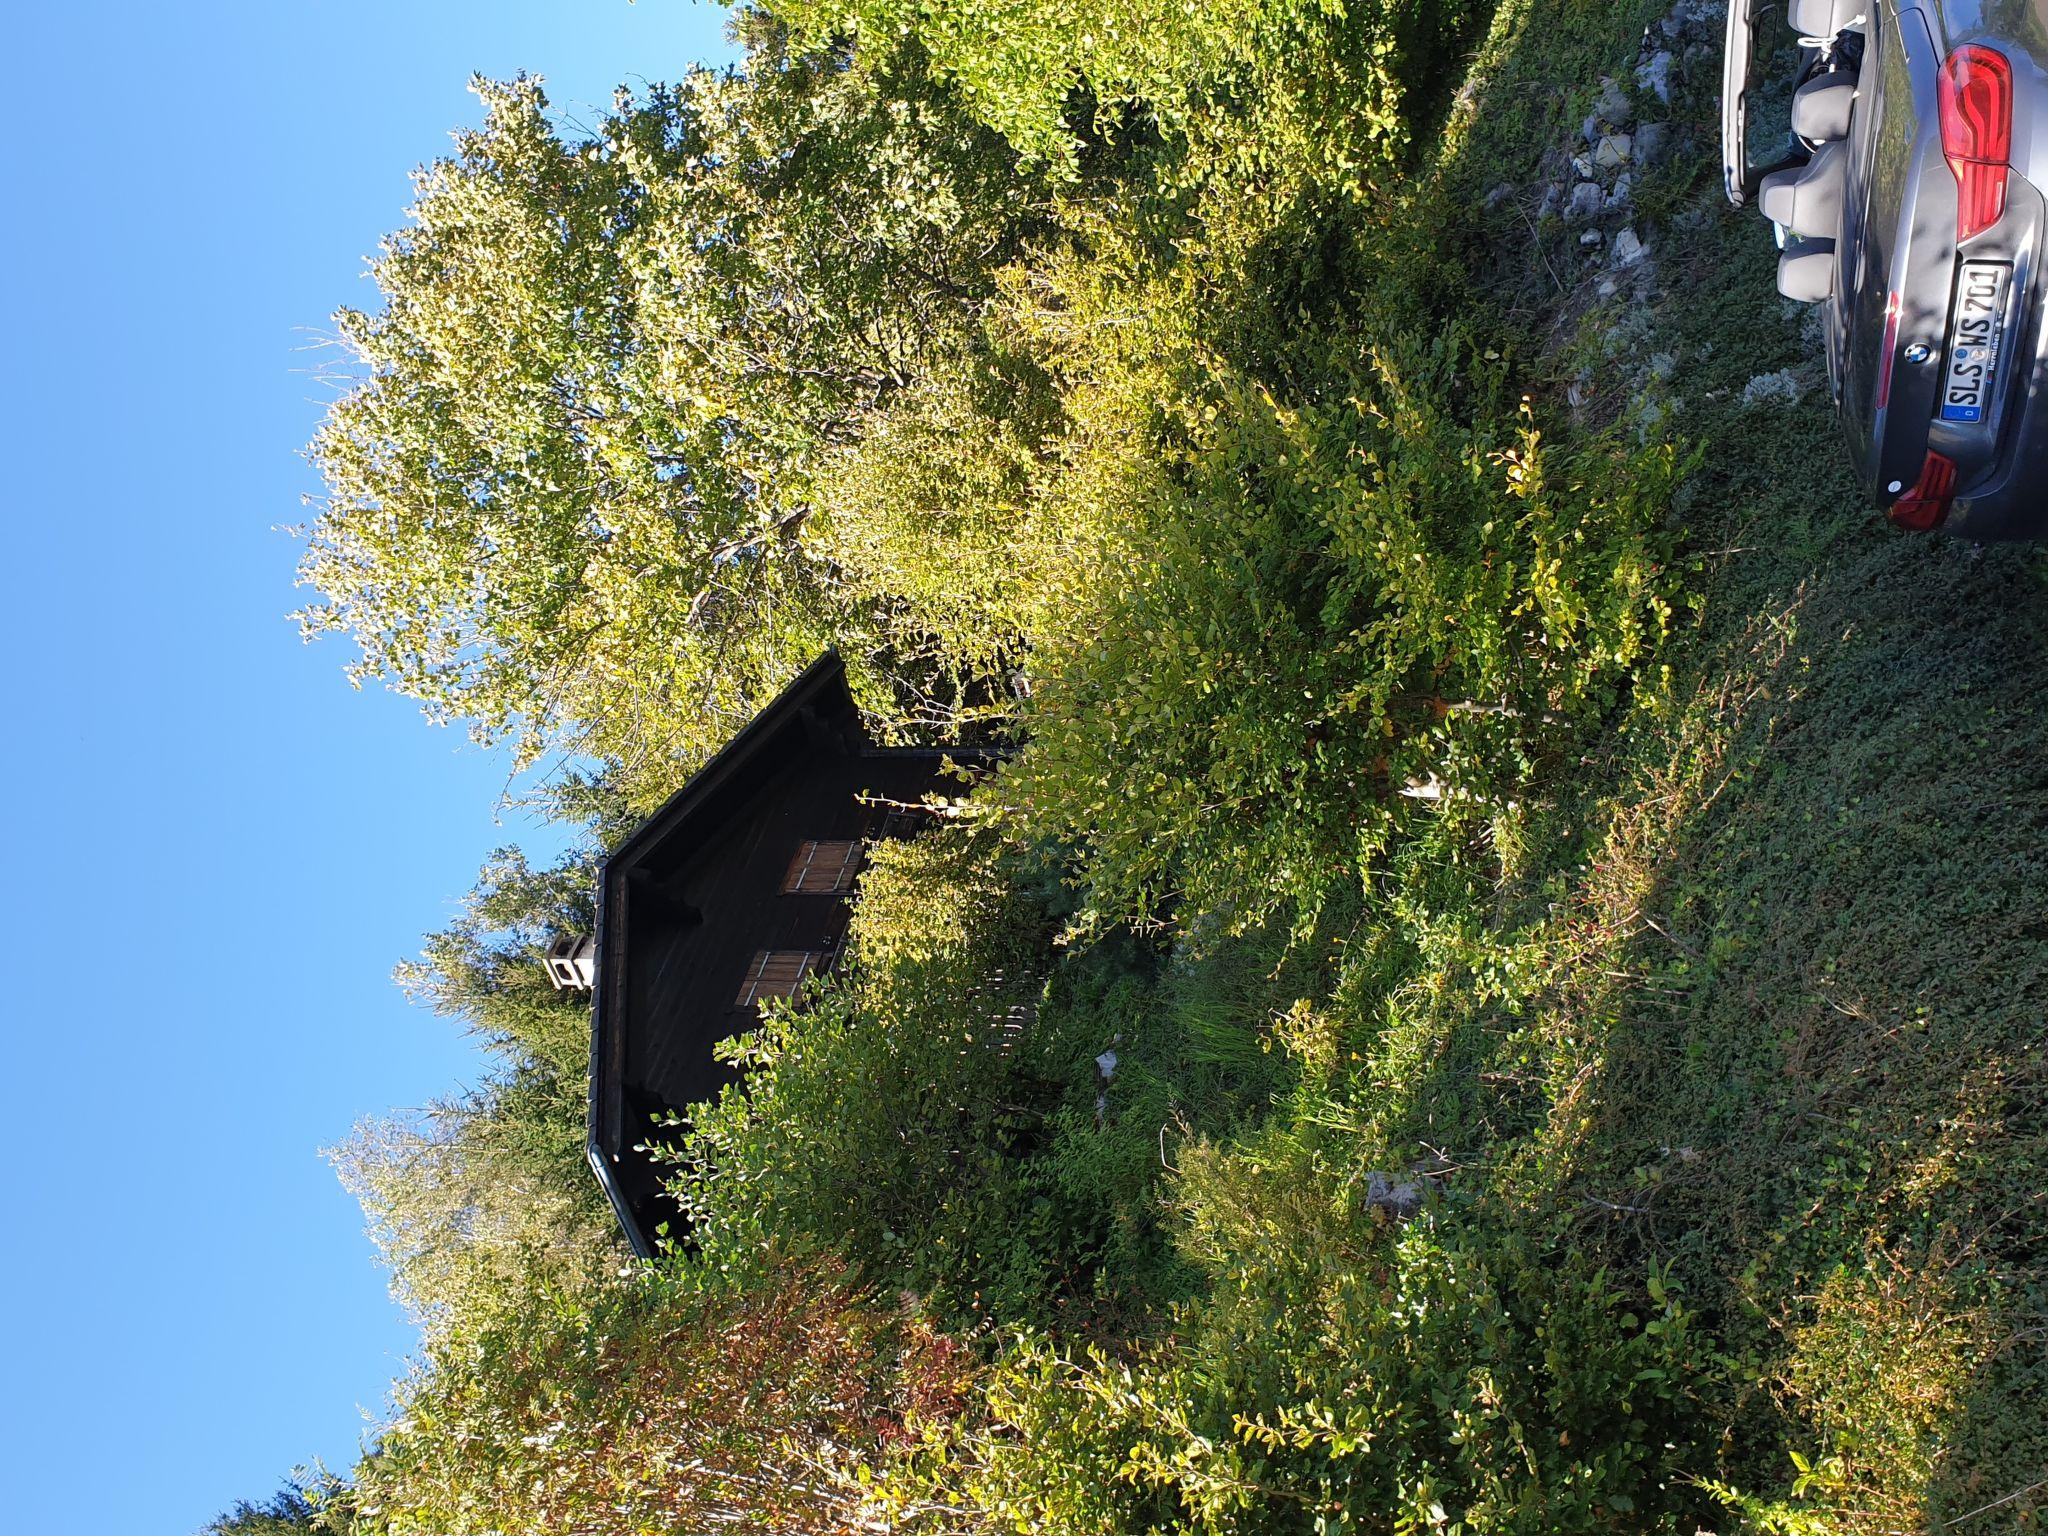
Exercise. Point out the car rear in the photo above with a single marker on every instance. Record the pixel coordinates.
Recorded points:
(1942, 362)
(1916, 222)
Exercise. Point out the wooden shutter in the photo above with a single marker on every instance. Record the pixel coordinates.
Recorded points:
(822, 868)
(776, 973)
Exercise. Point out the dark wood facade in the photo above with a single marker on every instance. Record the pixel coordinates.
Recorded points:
(729, 894)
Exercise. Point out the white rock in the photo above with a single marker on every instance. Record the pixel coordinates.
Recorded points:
(1654, 75)
(1612, 151)
(1398, 1201)
(1628, 248)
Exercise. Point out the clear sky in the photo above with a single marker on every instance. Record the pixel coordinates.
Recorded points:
(214, 850)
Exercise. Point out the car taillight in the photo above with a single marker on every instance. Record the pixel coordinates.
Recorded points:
(1976, 133)
(1925, 503)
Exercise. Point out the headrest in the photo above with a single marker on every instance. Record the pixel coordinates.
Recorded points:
(1821, 107)
(1824, 18)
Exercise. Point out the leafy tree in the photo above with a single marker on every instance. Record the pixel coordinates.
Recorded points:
(1057, 78)
(1034, 69)
(485, 968)
(569, 466)
(474, 1199)
(307, 1502)
(661, 1404)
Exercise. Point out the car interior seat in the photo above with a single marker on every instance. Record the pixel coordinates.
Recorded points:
(1807, 200)
(1821, 108)
(1806, 271)
(1822, 19)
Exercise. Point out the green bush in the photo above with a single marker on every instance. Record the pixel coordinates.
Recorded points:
(938, 1114)
(1375, 594)
(1445, 1376)
(904, 1114)
(658, 1404)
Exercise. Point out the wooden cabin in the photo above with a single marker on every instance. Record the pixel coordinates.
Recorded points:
(729, 895)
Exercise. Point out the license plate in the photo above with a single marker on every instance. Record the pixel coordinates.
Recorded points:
(1974, 331)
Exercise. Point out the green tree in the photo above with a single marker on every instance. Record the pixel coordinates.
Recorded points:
(569, 465)
(308, 1501)
(661, 1404)
(474, 1199)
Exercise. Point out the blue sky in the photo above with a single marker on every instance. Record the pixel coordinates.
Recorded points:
(214, 849)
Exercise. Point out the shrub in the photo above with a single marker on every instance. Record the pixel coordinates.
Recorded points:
(1446, 1376)
(659, 1404)
(938, 1114)
(891, 1116)
(1376, 593)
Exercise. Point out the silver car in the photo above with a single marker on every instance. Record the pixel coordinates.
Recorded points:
(1907, 203)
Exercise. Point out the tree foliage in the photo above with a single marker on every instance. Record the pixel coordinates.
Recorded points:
(654, 1405)
(574, 445)
(473, 1199)
(309, 1501)
(1056, 77)
(1414, 1380)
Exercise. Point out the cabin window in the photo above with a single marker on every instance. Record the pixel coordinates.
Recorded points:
(777, 973)
(821, 868)
(905, 821)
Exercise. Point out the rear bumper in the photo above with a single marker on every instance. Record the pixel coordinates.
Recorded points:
(2002, 464)
(2007, 498)
(2013, 503)
(1890, 321)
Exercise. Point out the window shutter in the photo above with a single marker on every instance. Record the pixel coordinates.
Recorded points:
(776, 973)
(821, 868)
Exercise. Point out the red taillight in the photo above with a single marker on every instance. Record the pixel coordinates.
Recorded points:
(1925, 503)
(1976, 133)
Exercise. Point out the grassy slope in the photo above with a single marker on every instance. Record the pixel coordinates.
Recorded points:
(1789, 924)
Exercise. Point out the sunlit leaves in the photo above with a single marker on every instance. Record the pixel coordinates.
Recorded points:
(572, 453)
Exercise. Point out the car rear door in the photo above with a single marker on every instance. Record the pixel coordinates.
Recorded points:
(1738, 46)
